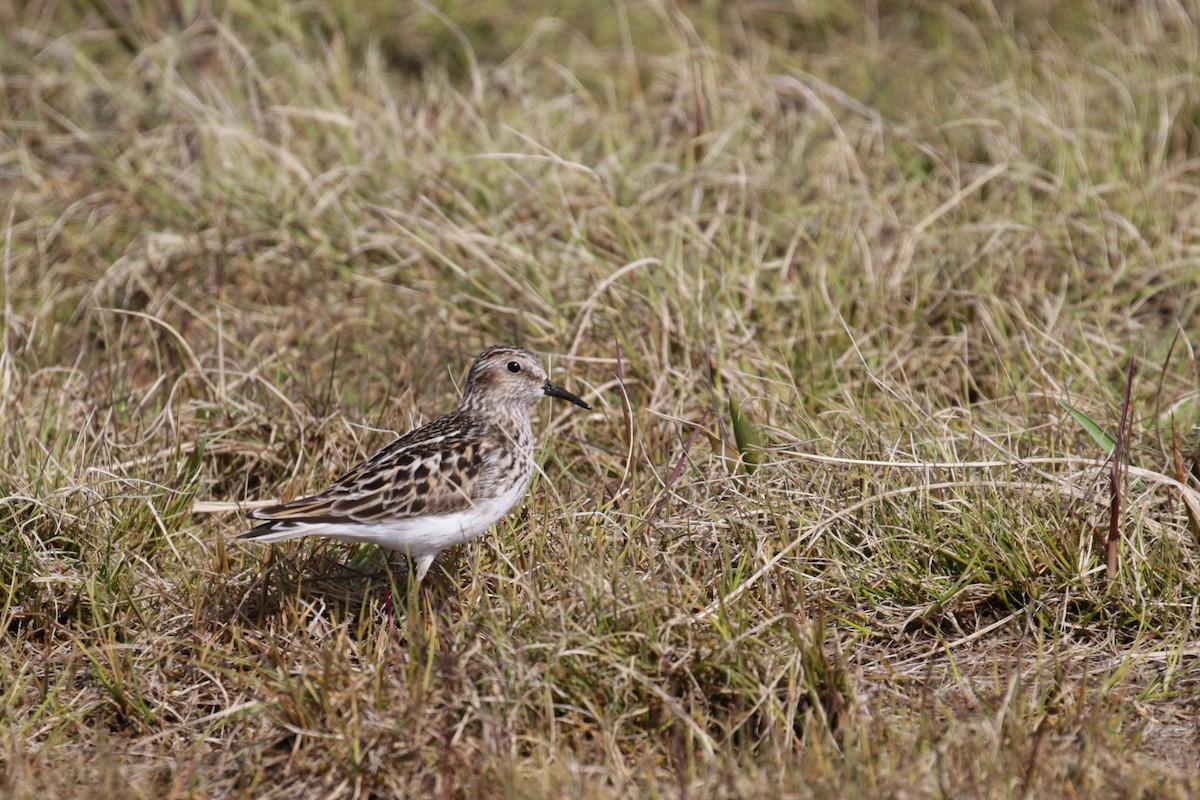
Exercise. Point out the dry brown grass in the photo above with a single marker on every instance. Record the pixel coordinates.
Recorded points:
(241, 247)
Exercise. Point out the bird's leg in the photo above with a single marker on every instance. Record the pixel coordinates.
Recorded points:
(387, 590)
(423, 564)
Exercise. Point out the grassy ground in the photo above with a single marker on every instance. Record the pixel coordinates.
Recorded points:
(828, 274)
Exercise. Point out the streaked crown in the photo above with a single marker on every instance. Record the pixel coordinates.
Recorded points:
(510, 377)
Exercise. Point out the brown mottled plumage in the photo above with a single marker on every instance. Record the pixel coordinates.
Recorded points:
(441, 484)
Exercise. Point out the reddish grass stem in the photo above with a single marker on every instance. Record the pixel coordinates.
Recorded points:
(1119, 454)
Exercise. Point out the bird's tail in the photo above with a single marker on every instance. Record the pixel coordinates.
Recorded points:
(276, 531)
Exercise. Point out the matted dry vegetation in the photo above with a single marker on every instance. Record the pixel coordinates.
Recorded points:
(243, 245)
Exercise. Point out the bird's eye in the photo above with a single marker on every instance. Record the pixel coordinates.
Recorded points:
(514, 366)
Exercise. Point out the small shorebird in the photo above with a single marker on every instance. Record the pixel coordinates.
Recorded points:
(444, 483)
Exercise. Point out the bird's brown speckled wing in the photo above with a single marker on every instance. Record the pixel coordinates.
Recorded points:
(435, 469)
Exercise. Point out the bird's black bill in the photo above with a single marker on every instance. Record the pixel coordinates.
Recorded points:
(554, 390)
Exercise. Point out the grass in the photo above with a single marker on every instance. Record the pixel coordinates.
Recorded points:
(840, 283)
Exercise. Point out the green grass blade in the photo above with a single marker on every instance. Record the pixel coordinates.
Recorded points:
(745, 433)
(1088, 424)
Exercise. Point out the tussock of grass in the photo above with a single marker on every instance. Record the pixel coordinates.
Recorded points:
(829, 278)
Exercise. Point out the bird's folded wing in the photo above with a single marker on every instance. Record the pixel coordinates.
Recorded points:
(435, 475)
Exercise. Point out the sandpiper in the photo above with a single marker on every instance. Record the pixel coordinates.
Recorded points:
(442, 484)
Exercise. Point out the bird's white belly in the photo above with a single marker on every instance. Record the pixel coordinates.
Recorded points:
(427, 535)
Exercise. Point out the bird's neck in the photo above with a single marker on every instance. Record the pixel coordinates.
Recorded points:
(511, 417)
